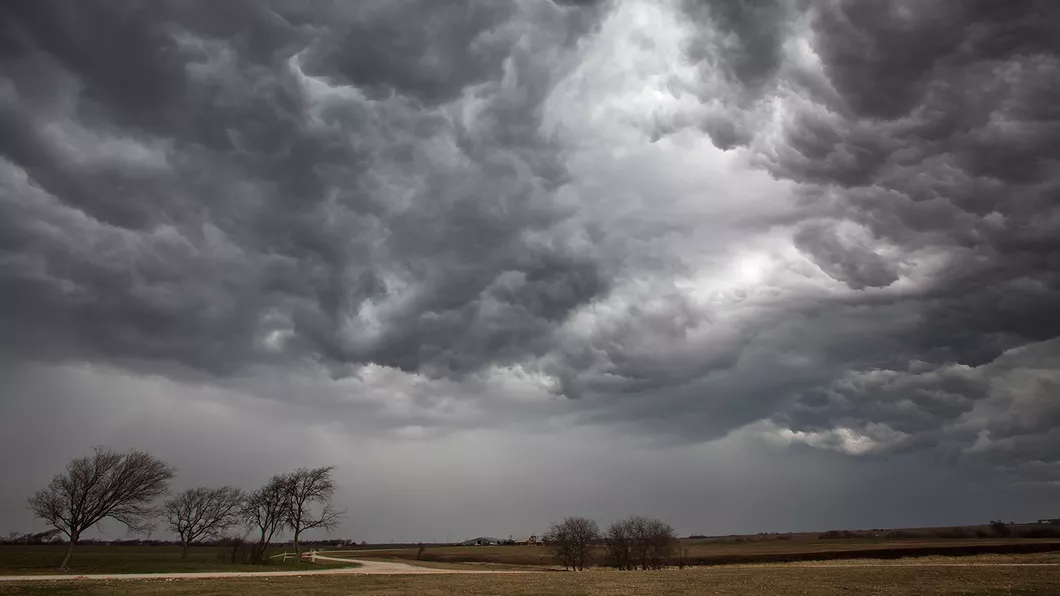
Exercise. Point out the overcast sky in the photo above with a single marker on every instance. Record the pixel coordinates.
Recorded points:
(745, 266)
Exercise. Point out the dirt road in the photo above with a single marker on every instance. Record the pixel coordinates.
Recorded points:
(394, 568)
(366, 568)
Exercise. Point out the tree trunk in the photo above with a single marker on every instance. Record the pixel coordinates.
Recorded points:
(183, 550)
(259, 551)
(297, 544)
(66, 559)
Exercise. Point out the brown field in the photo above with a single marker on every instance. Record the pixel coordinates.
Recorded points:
(766, 549)
(761, 548)
(44, 560)
(971, 576)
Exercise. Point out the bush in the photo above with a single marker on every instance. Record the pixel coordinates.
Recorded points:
(238, 551)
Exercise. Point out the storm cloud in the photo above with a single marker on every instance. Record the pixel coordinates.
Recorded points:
(822, 233)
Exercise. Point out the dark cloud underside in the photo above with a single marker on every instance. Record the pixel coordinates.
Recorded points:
(832, 224)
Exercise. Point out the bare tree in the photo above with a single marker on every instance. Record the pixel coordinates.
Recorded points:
(107, 484)
(572, 541)
(638, 531)
(661, 542)
(202, 514)
(651, 543)
(266, 511)
(619, 541)
(309, 493)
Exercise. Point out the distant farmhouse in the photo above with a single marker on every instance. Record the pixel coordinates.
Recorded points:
(527, 540)
(1055, 521)
(481, 541)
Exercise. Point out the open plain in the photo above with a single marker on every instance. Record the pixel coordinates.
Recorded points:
(979, 576)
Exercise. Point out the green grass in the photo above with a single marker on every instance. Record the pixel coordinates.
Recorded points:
(44, 560)
(792, 580)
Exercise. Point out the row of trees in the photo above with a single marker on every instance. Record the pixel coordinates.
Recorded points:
(631, 543)
(125, 486)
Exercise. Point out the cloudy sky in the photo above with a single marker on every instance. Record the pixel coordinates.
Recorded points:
(746, 266)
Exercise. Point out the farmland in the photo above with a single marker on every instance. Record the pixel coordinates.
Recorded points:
(762, 548)
(36, 560)
(981, 576)
(766, 548)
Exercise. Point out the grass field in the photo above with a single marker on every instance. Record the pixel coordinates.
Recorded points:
(726, 551)
(981, 578)
(42, 560)
(16, 560)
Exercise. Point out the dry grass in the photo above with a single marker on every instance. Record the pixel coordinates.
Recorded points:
(44, 560)
(1051, 558)
(718, 550)
(794, 580)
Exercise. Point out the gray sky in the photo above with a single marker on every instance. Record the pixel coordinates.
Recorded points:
(744, 266)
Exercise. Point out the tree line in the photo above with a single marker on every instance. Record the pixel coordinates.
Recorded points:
(636, 542)
(125, 487)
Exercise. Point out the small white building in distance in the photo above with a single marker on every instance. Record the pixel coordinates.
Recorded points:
(481, 541)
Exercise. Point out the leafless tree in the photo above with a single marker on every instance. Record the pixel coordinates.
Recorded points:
(638, 531)
(619, 541)
(309, 493)
(203, 514)
(661, 542)
(572, 541)
(265, 510)
(651, 543)
(106, 484)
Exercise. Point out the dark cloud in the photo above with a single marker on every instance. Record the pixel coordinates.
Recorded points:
(742, 38)
(215, 203)
(939, 145)
(927, 167)
(376, 47)
(848, 261)
(415, 221)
